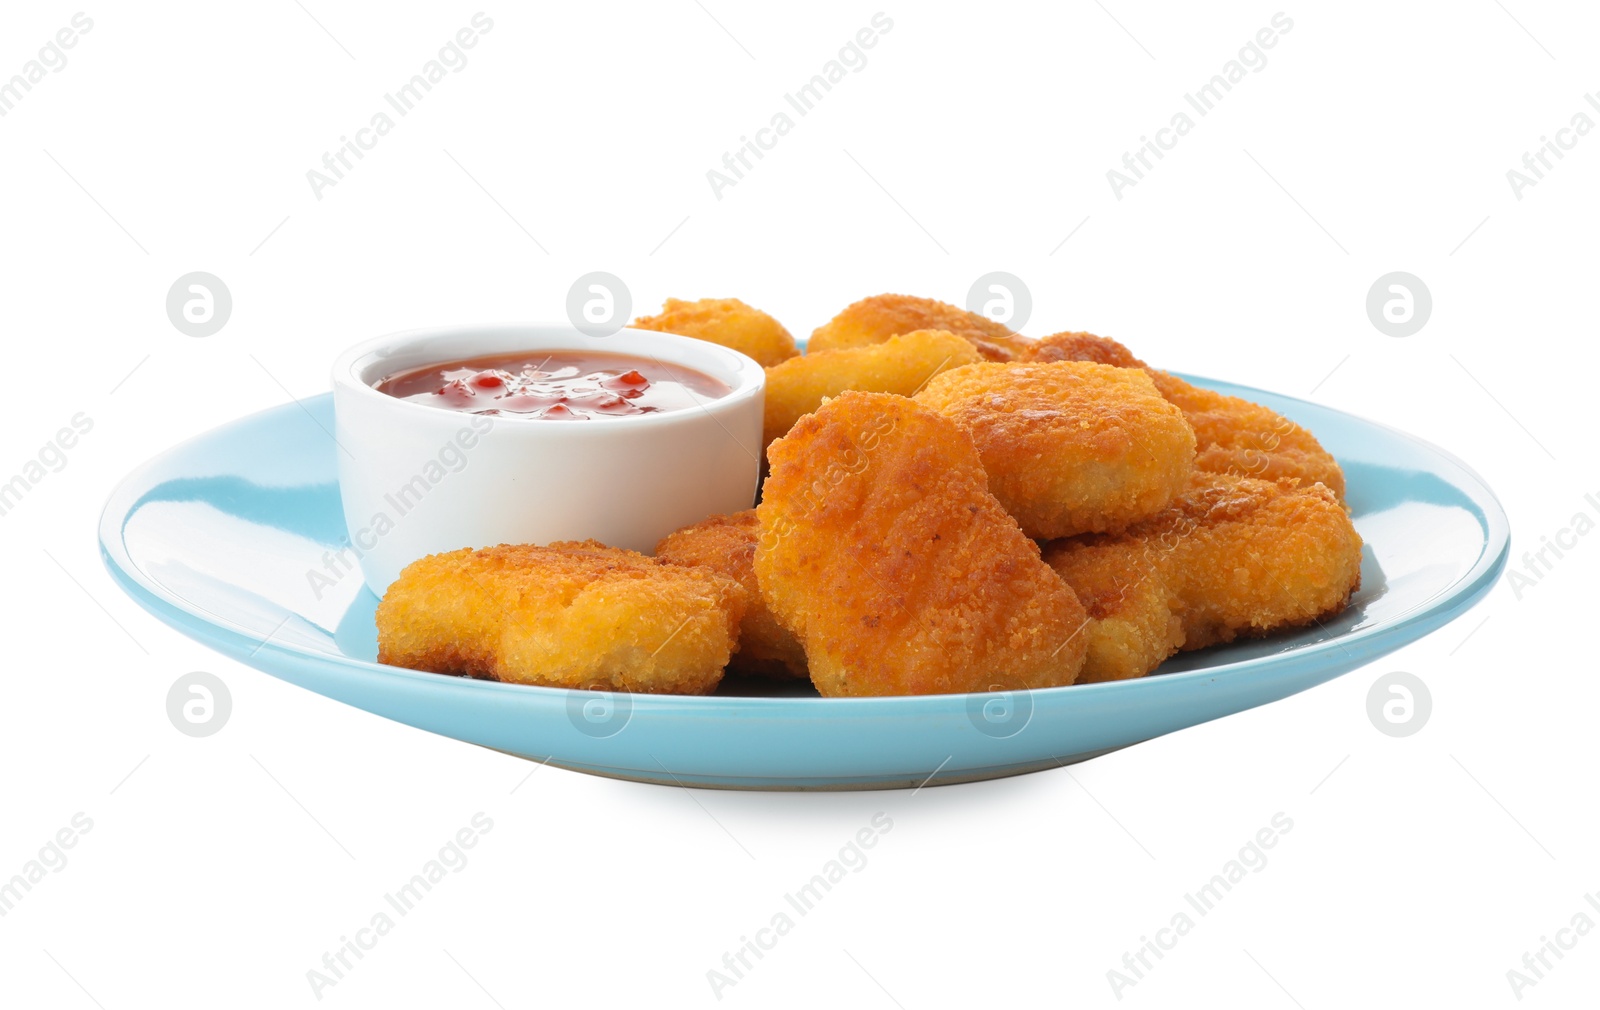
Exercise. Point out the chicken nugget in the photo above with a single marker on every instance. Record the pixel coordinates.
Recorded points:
(884, 553)
(1133, 624)
(1239, 437)
(725, 321)
(1072, 446)
(727, 546)
(1232, 556)
(876, 319)
(901, 364)
(1234, 435)
(1252, 556)
(572, 614)
(1080, 346)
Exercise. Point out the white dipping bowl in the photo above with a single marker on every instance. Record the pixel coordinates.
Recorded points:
(417, 479)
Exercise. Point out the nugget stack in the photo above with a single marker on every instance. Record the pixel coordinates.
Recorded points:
(920, 456)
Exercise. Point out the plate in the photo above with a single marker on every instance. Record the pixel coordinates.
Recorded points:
(234, 537)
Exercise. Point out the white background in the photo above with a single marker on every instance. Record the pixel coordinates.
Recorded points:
(178, 138)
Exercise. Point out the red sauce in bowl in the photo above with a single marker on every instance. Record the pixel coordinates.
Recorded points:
(558, 385)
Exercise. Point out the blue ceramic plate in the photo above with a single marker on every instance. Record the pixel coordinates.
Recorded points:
(217, 537)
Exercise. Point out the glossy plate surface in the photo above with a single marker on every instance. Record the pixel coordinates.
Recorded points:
(219, 536)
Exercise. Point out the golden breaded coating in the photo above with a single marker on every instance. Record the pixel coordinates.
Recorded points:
(1072, 446)
(1234, 435)
(725, 321)
(1255, 555)
(1233, 556)
(1121, 582)
(884, 553)
(572, 614)
(727, 546)
(901, 364)
(1080, 346)
(876, 319)
(1240, 437)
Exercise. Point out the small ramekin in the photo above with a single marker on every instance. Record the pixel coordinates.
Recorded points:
(418, 479)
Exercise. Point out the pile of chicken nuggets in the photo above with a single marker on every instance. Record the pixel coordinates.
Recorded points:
(949, 507)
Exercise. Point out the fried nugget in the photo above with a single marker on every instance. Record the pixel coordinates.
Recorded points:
(1254, 556)
(884, 553)
(1080, 346)
(727, 546)
(1133, 622)
(1234, 435)
(1072, 446)
(1240, 437)
(1232, 556)
(572, 614)
(901, 364)
(876, 319)
(725, 321)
